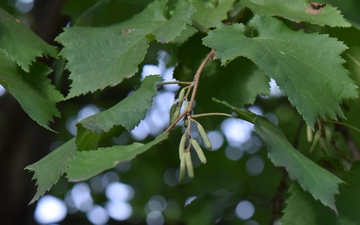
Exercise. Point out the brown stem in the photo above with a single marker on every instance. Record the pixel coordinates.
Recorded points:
(195, 85)
(278, 200)
(340, 152)
(349, 140)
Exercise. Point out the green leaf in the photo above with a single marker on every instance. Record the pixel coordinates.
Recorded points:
(21, 44)
(297, 61)
(349, 8)
(88, 140)
(312, 212)
(126, 113)
(32, 90)
(352, 57)
(239, 83)
(106, 12)
(298, 11)
(309, 175)
(210, 13)
(48, 170)
(101, 57)
(209, 207)
(87, 164)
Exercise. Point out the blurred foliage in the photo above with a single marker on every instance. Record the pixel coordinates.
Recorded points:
(104, 49)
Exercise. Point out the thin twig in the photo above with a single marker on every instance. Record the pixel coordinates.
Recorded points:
(349, 140)
(278, 200)
(195, 84)
(343, 124)
(340, 152)
(197, 78)
(211, 114)
(173, 82)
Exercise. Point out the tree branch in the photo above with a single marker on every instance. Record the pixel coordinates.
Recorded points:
(195, 85)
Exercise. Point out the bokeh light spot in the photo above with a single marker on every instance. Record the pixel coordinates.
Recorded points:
(155, 218)
(81, 197)
(117, 191)
(118, 210)
(97, 215)
(236, 131)
(233, 153)
(255, 165)
(170, 177)
(216, 139)
(245, 210)
(50, 210)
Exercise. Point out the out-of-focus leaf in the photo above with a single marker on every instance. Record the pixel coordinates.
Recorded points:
(309, 175)
(239, 83)
(101, 57)
(126, 113)
(297, 61)
(210, 13)
(89, 140)
(48, 170)
(21, 44)
(36, 95)
(297, 11)
(90, 163)
(352, 57)
(106, 12)
(312, 212)
(206, 209)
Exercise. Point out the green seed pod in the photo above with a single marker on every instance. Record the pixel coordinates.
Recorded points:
(182, 146)
(204, 136)
(309, 133)
(186, 122)
(181, 95)
(198, 150)
(172, 110)
(186, 104)
(182, 169)
(189, 165)
(323, 146)
(176, 114)
(316, 140)
(327, 135)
